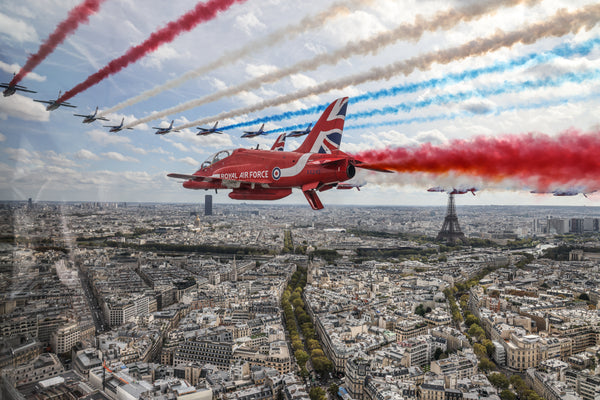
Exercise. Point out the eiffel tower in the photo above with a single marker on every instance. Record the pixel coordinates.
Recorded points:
(450, 231)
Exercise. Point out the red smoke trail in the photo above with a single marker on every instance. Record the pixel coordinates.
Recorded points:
(201, 13)
(533, 159)
(76, 16)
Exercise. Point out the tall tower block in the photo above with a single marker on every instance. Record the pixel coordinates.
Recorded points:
(208, 204)
(450, 231)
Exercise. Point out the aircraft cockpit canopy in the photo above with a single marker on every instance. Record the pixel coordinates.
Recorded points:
(216, 157)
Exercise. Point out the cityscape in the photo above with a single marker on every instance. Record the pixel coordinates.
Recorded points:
(256, 301)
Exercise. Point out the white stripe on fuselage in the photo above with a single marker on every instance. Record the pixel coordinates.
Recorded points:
(296, 169)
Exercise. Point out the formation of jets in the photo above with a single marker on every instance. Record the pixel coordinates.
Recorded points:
(254, 174)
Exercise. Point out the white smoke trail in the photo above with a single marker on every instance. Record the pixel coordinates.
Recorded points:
(560, 24)
(289, 32)
(443, 19)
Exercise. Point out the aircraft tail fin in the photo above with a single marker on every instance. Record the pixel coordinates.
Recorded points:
(326, 135)
(279, 143)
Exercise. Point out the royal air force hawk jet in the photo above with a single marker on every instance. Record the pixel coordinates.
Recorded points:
(12, 88)
(300, 133)
(208, 131)
(54, 104)
(87, 119)
(252, 174)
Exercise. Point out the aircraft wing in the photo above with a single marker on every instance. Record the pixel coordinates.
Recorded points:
(68, 105)
(17, 87)
(44, 101)
(192, 177)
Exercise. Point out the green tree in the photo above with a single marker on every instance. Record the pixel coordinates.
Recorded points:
(489, 347)
(507, 395)
(317, 393)
(297, 345)
(584, 296)
(479, 350)
(438, 353)
(317, 353)
(301, 357)
(477, 332)
(486, 365)
(499, 380)
(333, 390)
(470, 319)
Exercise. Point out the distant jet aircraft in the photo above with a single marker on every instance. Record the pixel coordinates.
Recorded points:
(300, 133)
(279, 143)
(459, 190)
(54, 104)
(116, 128)
(250, 134)
(566, 192)
(91, 117)
(317, 165)
(348, 186)
(11, 89)
(163, 131)
(208, 131)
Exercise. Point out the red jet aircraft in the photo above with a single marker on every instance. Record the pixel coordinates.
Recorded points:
(253, 174)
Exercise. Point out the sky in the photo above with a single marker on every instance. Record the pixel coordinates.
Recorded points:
(259, 50)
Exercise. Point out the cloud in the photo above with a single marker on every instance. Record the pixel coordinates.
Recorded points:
(254, 71)
(17, 29)
(2, 137)
(105, 138)
(59, 159)
(188, 160)
(162, 54)
(249, 23)
(22, 107)
(113, 155)
(14, 68)
(86, 155)
(392, 138)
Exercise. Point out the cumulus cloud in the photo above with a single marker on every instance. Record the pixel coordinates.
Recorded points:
(188, 160)
(84, 154)
(249, 23)
(392, 138)
(113, 155)
(14, 68)
(17, 29)
(22, 107)
(104, 138)
(2, 138)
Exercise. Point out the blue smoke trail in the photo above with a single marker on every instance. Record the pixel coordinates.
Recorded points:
(564, 51)
(467, 114)
(507, 87)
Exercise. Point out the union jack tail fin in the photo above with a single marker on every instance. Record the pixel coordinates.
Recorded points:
(279, 143)
(326, 135)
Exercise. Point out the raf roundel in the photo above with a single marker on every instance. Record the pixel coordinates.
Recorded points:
(276, 173)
